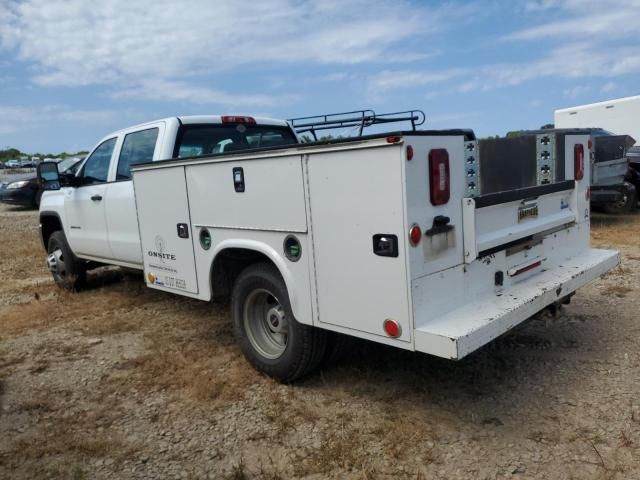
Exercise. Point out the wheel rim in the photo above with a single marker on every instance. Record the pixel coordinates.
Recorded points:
(56, 264)
(265, 323)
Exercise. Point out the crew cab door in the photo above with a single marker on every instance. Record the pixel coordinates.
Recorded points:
(85, 204)
(137, 146)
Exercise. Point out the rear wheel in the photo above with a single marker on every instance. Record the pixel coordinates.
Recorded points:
(67, 272)
(269, 336)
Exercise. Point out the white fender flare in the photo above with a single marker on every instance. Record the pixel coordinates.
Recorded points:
(272, 255)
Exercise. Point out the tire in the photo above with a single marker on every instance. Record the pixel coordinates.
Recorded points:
(67, 271)
(270, 338)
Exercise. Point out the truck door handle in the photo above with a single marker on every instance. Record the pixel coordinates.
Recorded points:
(96, 198)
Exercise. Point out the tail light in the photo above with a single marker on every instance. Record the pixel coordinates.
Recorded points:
(409, 152)
(578, 161)
(236, 119)
(439, 182)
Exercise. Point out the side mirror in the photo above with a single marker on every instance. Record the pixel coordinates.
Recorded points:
(48, 176)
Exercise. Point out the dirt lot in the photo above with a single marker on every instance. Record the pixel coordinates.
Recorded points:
(120, 382)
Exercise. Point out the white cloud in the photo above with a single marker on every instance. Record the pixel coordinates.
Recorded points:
(390, 79)
(576, 91)
(584, 19)
(125, 44)
(608, 87)
(23, 119)
(184, 92)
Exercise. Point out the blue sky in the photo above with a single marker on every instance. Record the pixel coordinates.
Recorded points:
(71, 71)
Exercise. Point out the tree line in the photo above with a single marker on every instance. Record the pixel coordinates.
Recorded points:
(14, 153)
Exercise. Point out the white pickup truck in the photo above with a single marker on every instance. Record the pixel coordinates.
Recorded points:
(386, 237)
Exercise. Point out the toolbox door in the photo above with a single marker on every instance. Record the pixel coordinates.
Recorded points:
(165, 229)
(356, 212)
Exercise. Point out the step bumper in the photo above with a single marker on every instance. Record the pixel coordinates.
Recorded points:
(469, 327)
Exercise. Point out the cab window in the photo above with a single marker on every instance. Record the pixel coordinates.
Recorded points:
(138, 147)
(96, 168)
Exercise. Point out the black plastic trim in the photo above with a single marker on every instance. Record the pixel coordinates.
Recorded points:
(522, 193)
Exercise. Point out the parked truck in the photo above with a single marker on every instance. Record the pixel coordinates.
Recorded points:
(622, 117)
(386, 237)
(608, 162)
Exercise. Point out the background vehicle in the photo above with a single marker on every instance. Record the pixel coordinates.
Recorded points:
(24, 189)
(371, 236)
(609, 166)
(620, 116)
(12, 164)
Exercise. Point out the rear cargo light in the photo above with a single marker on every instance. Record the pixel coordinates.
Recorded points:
(578, 161)
(236, 119)
(392, 328)
(415, 235)
(439, 182)
(409, 152)
(393, 138)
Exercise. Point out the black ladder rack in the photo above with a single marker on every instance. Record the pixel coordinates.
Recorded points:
(356, 118)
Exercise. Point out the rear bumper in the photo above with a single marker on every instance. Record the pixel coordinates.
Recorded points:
(465, 329)
(603, 195)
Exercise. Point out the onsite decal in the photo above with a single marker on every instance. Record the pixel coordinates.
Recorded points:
(159, 252)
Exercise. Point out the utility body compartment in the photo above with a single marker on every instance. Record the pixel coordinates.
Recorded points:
(393, 227)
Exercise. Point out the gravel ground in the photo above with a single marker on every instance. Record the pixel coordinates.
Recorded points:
(121, 382)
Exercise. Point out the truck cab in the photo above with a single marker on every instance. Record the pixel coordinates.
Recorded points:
(95, 208)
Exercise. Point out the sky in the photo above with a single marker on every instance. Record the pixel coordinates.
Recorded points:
(72, 71)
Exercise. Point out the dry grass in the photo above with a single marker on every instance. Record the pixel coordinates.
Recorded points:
(618, 230)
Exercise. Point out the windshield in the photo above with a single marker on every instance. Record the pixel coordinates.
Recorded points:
(195, 140)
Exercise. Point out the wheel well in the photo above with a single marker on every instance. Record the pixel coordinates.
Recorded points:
(227, 266)
(48, 225)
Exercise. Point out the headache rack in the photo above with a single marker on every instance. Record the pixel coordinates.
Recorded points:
(356, 118)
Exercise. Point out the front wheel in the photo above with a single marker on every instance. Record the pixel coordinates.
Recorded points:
(68, 273)
(268, 334)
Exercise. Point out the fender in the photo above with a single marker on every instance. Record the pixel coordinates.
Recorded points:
(278, 261)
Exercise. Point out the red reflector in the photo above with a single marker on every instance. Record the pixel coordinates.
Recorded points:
(590, 144)
(392, 328)
(587, 194)
(531, 266)
(409, 152)
(393, 139)
(578, 161)
(439, 190)
(236, 119)
(415, 235)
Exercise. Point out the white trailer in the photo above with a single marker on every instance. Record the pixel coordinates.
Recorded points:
(384, 237)
(620, 116)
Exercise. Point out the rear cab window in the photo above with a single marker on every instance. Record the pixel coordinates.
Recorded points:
(137, 147)
(206, 139)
